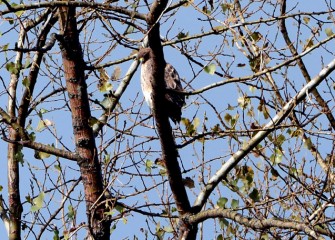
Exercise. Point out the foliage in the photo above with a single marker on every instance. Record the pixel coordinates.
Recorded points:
(255, 143)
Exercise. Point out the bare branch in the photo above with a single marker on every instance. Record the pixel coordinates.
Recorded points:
(254, 223)
(238, 156)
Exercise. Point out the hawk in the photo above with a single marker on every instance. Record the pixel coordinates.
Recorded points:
(173, 101)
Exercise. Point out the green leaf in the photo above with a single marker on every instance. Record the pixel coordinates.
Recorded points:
(162, 172)
(206, 10)
(256, 36)
(293, 171)
(92, 121)
(234, 204)
(11, 68)
(58, 167)
(210, 69)
(113, 228)
(107, 102)
(18, 13)
(309, 43)
(279, 140)
(274, 175)
(129, 30)
(10, 20)
(104, 84)
(308, 143)
(168, 229)
(41, 155)
(219, 28)
(329, 32)
(255, 63)
(19, 156)
(27, 63)
(56, 235)
(254, 195)
(119, 208)
(196, 122)
(38, 202)
(233, 121)
(296, 133)
(225, 7)
(148, 165)
(1, 188)
(25, 82)
(4, 47)
(264, 237)
(105, 87)
(43, 110)
(252, 89)
(109, 213)
(42, 124)
(191, 127)
(107, 158)
(182, 35)
(71, 212)
(230, 108)
(306, 19)
(159, 230)
(276, 157)
(243, 102)
(222, 202)
(227, 117)
(220, 237)
(103, 75)
(223, 223)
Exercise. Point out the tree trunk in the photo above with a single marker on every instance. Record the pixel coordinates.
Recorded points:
(85, 143)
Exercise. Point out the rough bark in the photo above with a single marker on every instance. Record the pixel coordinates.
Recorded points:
(167, 141)
(83, 134)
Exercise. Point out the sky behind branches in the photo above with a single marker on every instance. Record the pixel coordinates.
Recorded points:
(186, 21)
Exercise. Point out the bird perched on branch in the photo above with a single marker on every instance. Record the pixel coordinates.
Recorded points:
(174, 101)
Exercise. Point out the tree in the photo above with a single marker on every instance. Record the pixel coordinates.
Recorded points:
(252, 158)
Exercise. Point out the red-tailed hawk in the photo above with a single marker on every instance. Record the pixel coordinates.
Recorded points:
(173, 100)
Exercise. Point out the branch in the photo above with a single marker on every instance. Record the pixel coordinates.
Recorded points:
(26, 142)
(260, 73)
(93, 5)
(115, 98)
(253, 223)
(239, 155)
(164, 130)
(169, 150)
(90, 167)
(60, 208)
(322, 103)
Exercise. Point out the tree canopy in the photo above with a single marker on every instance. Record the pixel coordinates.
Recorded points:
(253, 155)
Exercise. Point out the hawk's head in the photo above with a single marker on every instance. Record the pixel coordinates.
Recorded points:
(144, 54)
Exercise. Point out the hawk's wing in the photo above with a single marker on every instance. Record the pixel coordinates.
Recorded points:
(172, 81)
(174, 100)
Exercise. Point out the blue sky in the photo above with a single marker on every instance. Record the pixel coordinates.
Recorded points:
(186, 21)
